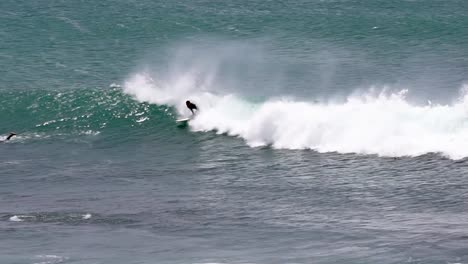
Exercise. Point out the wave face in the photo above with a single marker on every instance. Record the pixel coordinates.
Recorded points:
(377, 122)
(42, 114)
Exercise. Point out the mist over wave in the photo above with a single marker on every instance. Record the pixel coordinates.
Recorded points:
(379, 121)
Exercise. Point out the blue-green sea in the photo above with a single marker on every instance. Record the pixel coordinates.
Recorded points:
(328, 131)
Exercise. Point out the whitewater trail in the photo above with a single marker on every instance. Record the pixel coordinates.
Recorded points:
(385, 124)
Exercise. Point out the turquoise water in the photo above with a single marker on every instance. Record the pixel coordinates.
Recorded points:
(328, 131)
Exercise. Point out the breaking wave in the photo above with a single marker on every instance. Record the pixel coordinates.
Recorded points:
(377, 122)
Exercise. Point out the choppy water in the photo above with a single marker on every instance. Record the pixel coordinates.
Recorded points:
(328, 132)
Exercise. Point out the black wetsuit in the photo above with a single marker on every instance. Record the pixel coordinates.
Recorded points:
(191, 106)
(8, 138)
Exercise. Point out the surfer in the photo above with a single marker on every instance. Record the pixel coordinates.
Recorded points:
(191, 106)
(9, 137)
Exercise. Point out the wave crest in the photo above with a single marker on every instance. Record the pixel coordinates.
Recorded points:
(382, 123)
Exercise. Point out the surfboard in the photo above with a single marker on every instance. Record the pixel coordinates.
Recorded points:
(183, 122)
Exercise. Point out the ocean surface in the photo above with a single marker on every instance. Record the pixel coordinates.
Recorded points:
(329, 131)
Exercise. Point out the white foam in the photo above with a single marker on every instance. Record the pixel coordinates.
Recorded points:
(382, 123)
(86, 216)
(90, 132)
(20, 218)
(50, 259)
(16, 218)
(143, 119)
